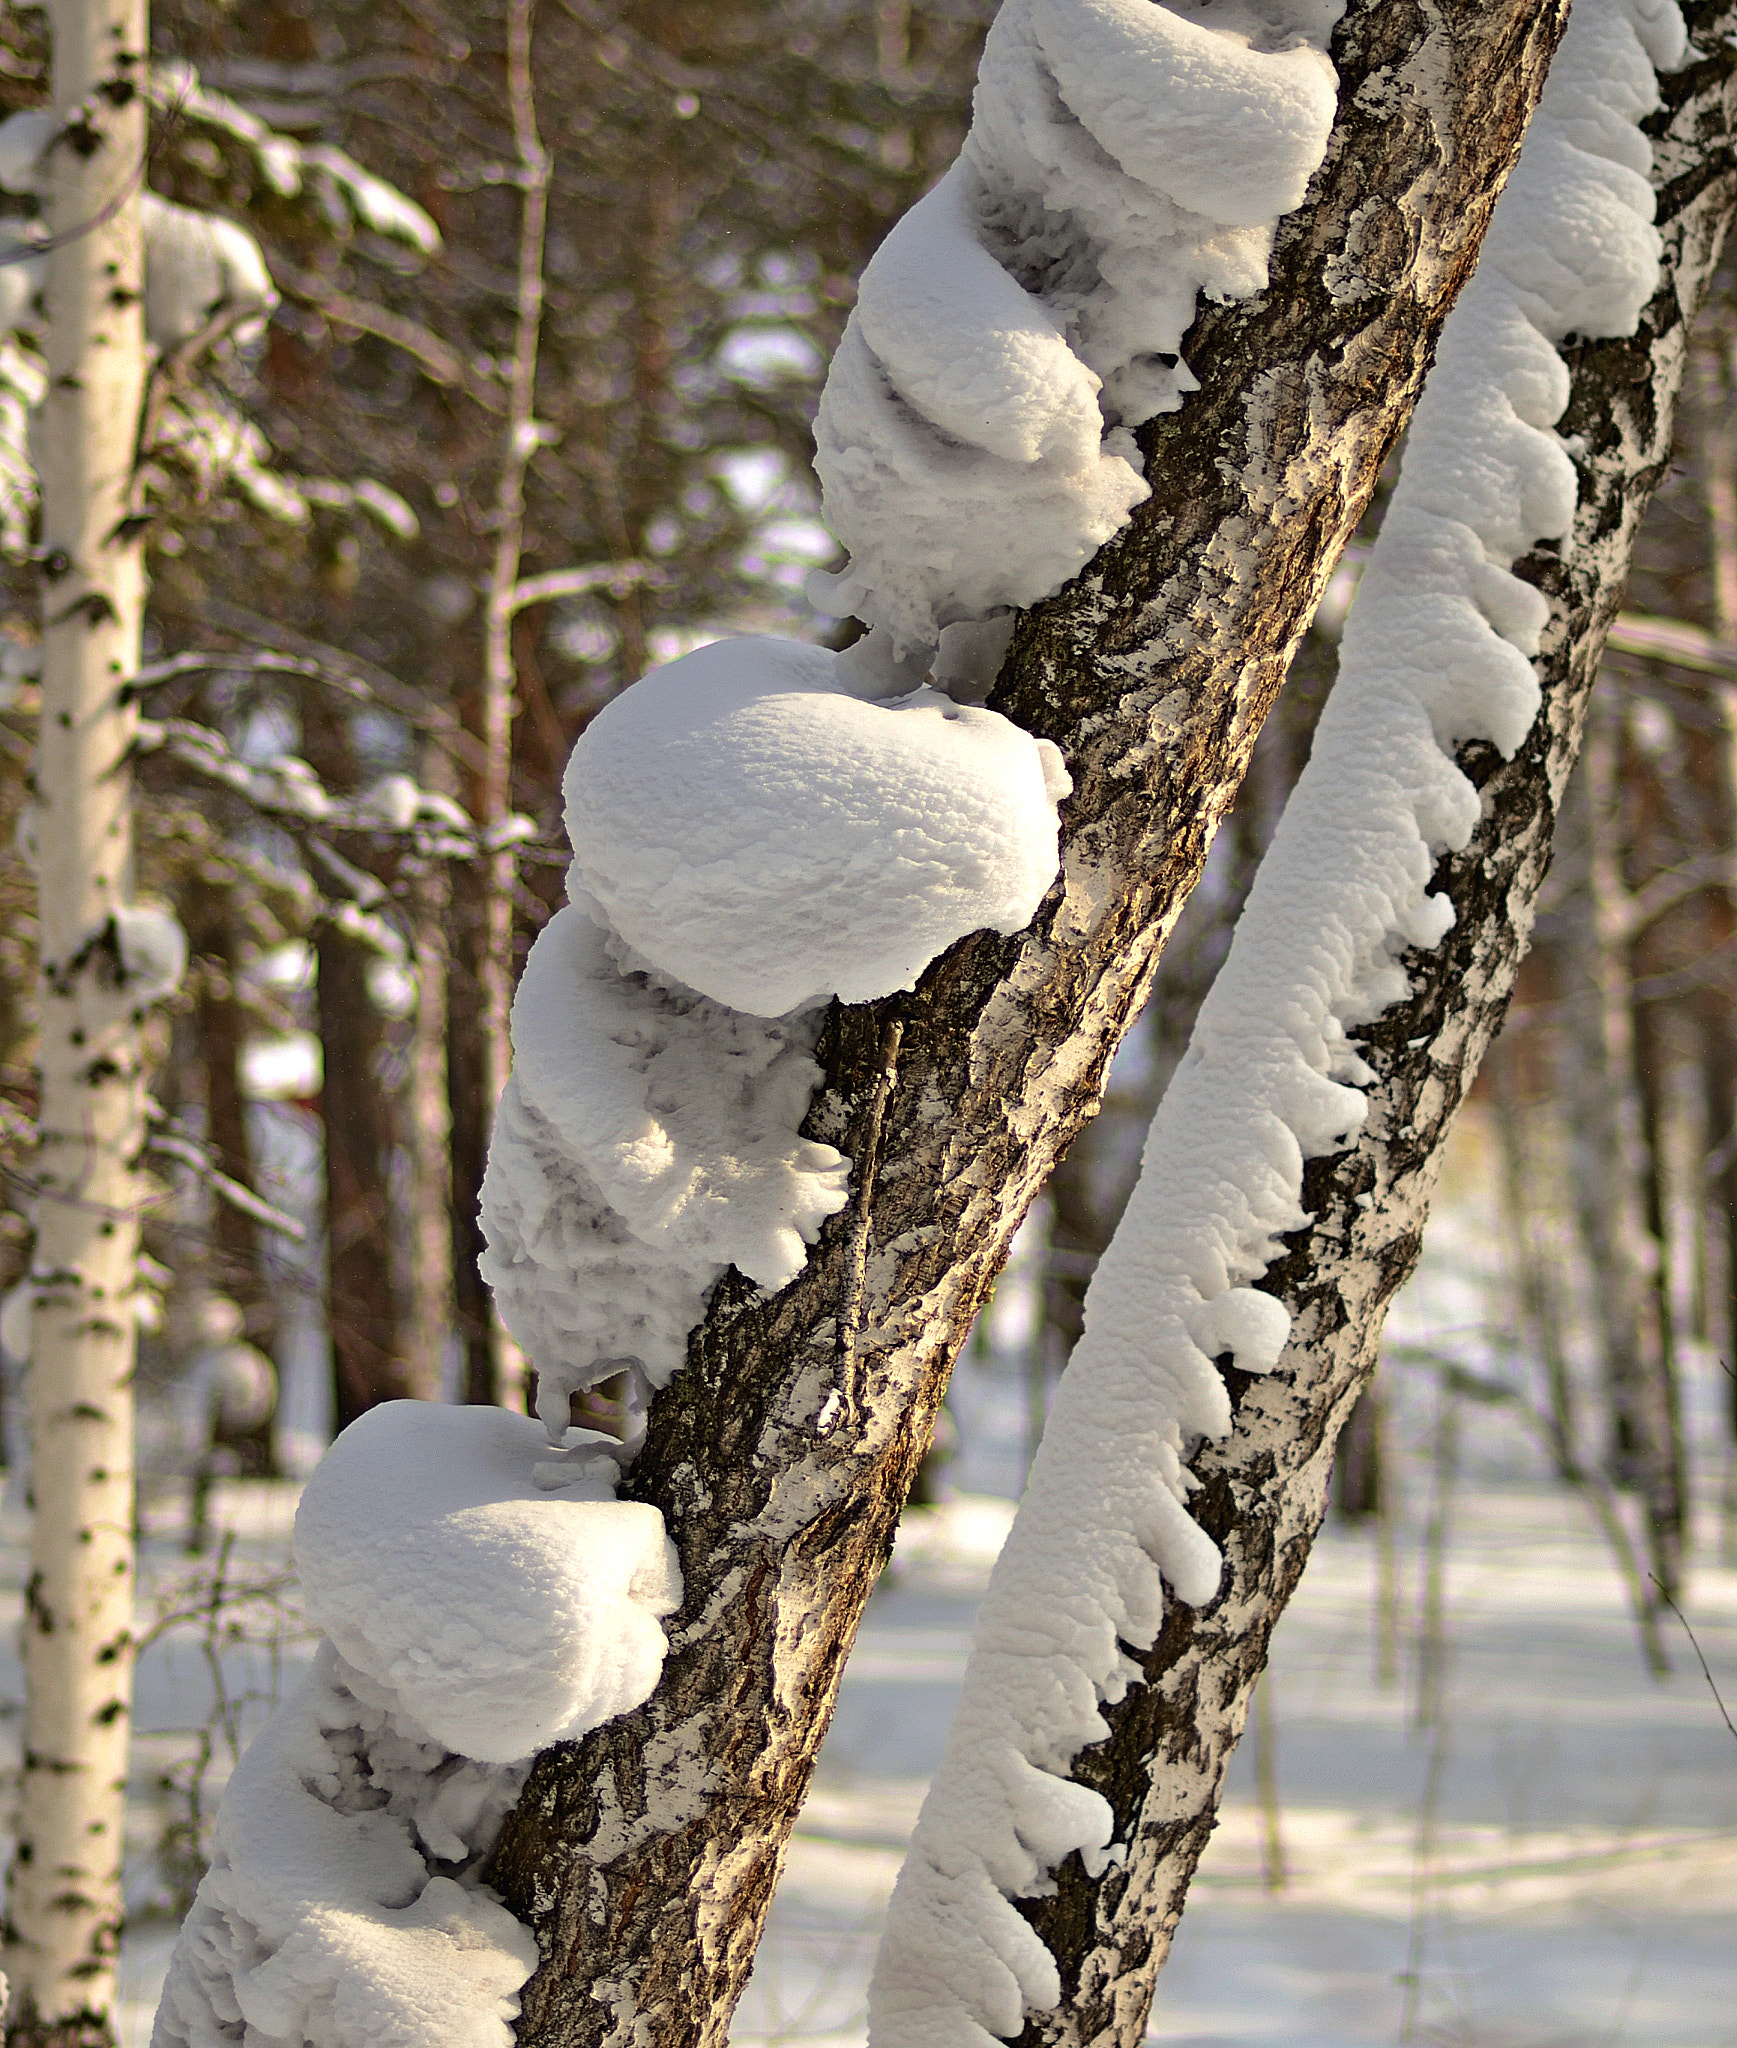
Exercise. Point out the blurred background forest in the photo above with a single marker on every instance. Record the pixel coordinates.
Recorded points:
(531, 413)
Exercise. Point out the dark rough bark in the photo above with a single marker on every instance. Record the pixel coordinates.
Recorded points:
(476, 1006)
(644, 1857)
(371, 1359)
(1264, 1490)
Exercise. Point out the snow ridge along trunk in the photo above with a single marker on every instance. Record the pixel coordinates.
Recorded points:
(64, 1909)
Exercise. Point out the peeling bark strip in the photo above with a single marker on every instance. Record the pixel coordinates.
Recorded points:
(644, 1857)
(1264, 1490)
(64, 1905)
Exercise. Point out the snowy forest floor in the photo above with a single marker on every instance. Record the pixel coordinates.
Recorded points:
(1517, 1839)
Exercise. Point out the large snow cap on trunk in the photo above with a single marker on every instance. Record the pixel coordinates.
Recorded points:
(502, 1609)
(756, 831)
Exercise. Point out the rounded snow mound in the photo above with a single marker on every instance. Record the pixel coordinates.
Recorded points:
(500, 1604)
(754, 830)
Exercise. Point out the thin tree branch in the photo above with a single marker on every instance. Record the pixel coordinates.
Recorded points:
(1694, 1643)
(437, 360)
(226, 1188)
(552, 584)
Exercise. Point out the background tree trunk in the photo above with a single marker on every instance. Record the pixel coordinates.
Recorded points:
(64, 1909)
(238, 1265)
(477, 1028)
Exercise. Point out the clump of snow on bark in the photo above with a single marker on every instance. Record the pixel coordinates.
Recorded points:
(500, 1599)
(751, 838)
(483, 1596)
(681, 1110)
(757, 831)
(1124, 158)
(1436, 651)
(321, 1922)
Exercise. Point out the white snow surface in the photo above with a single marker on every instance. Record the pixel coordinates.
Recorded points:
(759, 832)
(483, 1596)
(1436, 651)
(495, 1595)
(1124, 158)
(319, 1923)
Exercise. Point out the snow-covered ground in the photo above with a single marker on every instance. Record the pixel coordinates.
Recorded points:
(1551, 1863)
(1573, 1887)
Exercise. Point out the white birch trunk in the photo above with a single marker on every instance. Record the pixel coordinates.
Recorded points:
(65, 1903)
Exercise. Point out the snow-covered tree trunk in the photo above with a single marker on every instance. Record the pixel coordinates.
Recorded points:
(1264, 1490)
(64, 1909)
(644, 1856)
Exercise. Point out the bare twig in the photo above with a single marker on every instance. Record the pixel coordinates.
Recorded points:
(1672, 640)
(1694, 1644)
(223, 1186)
(426, 714)
(1586, 1480)
(557, 583)
(437, 360)
(251, 661)
(523, 434)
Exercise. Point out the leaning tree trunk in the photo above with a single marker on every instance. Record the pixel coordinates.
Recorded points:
(644, 1856)
(64, 1908)
(1264, 1489)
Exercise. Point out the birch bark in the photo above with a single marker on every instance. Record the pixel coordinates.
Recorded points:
(1264, 1490)
(65, 1903)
